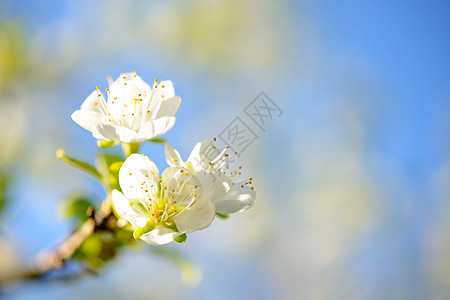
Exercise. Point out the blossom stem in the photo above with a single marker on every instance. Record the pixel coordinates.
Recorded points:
(81, 165)
(130, 148)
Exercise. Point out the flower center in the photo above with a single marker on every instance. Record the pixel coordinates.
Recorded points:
(172, 198)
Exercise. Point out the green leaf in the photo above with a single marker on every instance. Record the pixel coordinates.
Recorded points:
(76, 207)
(158, 140)
(180, 239)
(4, 183)
(97, 249)
(222, 216)
(81, 165)
(92, 246)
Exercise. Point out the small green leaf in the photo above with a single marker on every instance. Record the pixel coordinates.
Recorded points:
(92, 246)
(181, 238)
(158, 140)
(222, 216)
(106, 144)
(76, 207)
(4, 182)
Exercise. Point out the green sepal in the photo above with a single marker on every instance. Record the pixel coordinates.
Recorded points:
(81, 165)
(172, 226)
(158, 140)
(222, 216)
(180, 239)
(106, 144)
(139, 231)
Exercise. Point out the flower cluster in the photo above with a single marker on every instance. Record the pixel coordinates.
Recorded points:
(186, 196)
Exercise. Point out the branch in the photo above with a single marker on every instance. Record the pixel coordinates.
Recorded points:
(50, 260)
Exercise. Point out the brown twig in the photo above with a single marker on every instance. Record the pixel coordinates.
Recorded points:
(54, 259)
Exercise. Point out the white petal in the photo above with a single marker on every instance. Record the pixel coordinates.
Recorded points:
(155, 128)
(132, 213)
(117, 133)
(215, 185)
(89, 120)
(202, 154)
(95, 102)
(236, 200)
(159, 236)
(133, 81)
(198, 216)
(160, 94)
(168, 107)
(173, 157)
(180, 180)
(141, 168)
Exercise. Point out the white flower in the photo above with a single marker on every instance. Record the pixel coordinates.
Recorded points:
(210, 165)
(133, 113)
(160, 209)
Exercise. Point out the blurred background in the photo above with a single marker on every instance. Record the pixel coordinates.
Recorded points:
(352, 180)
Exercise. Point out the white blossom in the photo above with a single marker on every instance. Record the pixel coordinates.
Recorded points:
(133, 112)
(211, 166)
(161, 208)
